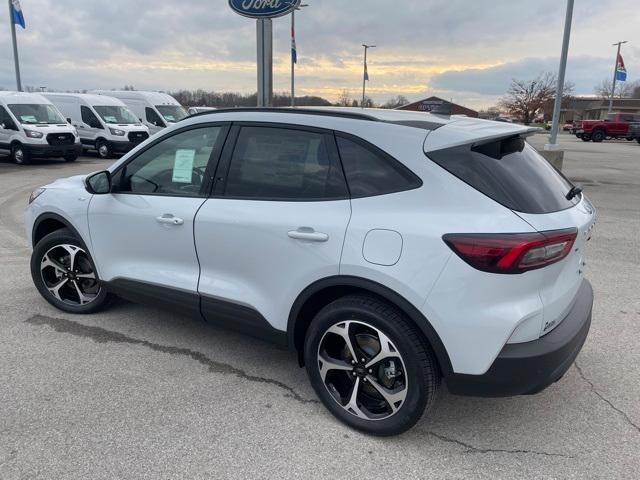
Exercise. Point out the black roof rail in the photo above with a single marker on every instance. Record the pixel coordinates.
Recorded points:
(304, 111)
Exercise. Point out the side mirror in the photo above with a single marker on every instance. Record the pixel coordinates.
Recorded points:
(98, 183)
(68, 120)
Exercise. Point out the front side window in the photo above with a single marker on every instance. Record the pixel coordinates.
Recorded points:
(172, 113)
(113, 114)
(272, 163)
(153, 118)
(89, 118)
(372, 172)
(5, 119)
(174, 166)
(36, 113)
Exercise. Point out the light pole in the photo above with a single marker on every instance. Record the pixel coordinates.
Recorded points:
(294, 53)
(553, 145)
(366, 72)
(615, 75)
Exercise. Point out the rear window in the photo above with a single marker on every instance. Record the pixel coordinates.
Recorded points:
(510, 172)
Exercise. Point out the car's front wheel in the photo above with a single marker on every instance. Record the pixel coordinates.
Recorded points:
(103, 149)
(20, 155)
(65, 275)
(370, 366)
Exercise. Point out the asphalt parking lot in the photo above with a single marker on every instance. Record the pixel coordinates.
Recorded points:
(136, 392)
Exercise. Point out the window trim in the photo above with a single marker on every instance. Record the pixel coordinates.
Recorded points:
(222, 173)
(212, 163)
(388, 158)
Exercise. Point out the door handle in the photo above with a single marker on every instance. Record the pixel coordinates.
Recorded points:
(306, 233)
(169, 219)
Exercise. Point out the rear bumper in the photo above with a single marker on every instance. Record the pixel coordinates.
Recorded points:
(52, 151)
(528, 368)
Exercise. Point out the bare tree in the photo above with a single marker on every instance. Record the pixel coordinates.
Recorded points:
(623, 89)
(526, 97)
(396, 102)
(367, 103)
(344, 100)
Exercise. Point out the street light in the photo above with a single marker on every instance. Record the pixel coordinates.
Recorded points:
(366, 73)
(615, 75)
(294, 56)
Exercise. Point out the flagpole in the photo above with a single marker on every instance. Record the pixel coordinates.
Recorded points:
(15, 48)
(293, 64)
(615, 75)
(365, 73)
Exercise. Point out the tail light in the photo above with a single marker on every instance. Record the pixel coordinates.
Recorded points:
(512, 252)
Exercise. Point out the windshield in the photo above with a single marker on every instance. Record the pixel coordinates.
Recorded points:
(116, 114)
(32, 114)
(172, 113)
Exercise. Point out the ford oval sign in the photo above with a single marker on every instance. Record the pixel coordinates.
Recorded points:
(263, 8)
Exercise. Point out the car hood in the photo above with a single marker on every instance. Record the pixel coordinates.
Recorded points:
(69, 183)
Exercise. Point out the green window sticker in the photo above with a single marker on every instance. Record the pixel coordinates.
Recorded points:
(183, 166)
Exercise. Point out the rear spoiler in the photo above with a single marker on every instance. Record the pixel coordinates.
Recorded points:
(467, 131)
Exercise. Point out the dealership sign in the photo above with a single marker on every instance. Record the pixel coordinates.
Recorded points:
(263, 8)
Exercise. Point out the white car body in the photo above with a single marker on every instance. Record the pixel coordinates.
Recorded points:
(149, 107)
(86, 113)
(245, 252)
(194, 110)
(46, 146)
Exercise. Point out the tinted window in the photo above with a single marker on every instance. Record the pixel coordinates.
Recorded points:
(371, 172)
(5, 118)
(89, 118)
(511, 172)
(153, 118)
(175, 166)
(277, 163)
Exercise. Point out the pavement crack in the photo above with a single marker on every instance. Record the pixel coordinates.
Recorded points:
(604, 399)
(473, 449)
(101, 335)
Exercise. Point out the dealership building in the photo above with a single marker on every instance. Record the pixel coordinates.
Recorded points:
(439, 105)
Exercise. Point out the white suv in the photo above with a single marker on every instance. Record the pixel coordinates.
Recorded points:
(391, 250)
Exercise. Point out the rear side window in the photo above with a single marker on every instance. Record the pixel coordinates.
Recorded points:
(370, 171)
(271, 163)
(510, 172)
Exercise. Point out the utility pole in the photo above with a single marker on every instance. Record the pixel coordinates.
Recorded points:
(365, 77)
(265, 61)
(615, 75)
(294, 53)
(553, 138)
(15, 48)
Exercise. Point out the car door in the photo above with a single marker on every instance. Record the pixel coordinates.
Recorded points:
(142, 232)
(6, 130)
(275, 224)
(90, 127)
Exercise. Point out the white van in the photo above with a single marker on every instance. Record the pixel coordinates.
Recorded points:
(155, 109)
(32, 127)
(104, 123)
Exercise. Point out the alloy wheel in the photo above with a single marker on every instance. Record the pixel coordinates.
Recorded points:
(18, 155)
(362, 370)
(68, 275)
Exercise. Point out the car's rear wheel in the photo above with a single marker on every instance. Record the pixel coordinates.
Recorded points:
(65, 275)
(598, 136)
(585, 138)
(370, 366)
(71, 158)
(20, 155)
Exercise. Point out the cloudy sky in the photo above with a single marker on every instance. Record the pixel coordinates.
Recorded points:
(465, 50)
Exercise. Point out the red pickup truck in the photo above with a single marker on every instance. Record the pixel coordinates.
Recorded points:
(616, 125)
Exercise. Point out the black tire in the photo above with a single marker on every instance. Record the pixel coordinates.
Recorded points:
(638, 139)
(629, 139)
(421, 377)
(598, 136)
(20, 155)
(51, 244)
(71, 158)
(103, 149)
(585, 138)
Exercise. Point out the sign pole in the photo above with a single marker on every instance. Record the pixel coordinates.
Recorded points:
(265, 61)
(615, 76)
(15, 48)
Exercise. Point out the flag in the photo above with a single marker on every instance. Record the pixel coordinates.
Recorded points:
(294, 50)
(16, 13)
(621, 71)
(366, 72)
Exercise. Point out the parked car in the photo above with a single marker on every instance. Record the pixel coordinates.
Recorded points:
(390, 249)
(32, 127)
(616, 125)
(156, 110)
(634, 131)
(567, 127)
(104, 124)
(194, 110)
